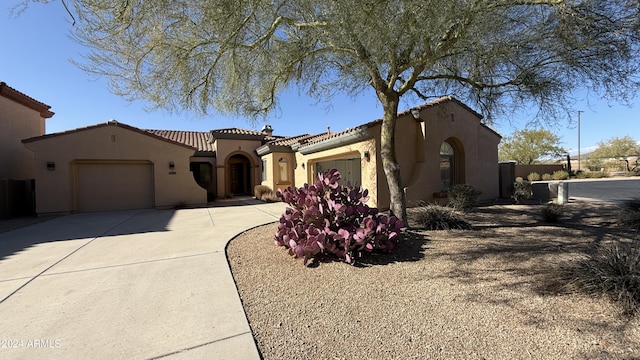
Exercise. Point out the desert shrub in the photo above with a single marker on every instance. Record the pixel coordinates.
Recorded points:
(551, 213)
(522, 190)
(547, 177)
(612, 270)
(534, 176)
(260, 190)
(629, 214)
(436, 217)
(560, 175)
(598, 174)
(329, 218)
(463, 197)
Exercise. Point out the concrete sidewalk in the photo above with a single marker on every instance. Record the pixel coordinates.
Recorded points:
(144, 284)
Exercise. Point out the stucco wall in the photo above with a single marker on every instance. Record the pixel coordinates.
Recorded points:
(211, 187)
(307, 174)
(417, 144)
(17, 122)
(477, 150)
(55, 190)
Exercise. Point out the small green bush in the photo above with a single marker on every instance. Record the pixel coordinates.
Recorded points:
(611, 270)
(551, 213)
(534, 176)
(595, 174)
(547, 177)
(262, 190)
(522, 190)
(463, 197)
(437, 217)
(560, 175)
(629, 214)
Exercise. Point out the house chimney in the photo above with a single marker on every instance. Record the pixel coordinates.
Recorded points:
(267, 129)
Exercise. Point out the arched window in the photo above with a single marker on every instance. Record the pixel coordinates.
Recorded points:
(447, 166)
(283, 170)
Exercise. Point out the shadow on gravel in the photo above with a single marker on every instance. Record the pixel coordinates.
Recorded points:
(538, 255)
(410, 249)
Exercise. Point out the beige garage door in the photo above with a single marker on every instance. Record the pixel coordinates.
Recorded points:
(106, 186)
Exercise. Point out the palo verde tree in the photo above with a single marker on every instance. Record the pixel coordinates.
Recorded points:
(617, 147)
(236, 56)
(529, 146)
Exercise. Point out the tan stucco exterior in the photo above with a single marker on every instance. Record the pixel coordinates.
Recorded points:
(476, 151)
(21, 117)
(418, 143)
(60, 157)
(165, 168)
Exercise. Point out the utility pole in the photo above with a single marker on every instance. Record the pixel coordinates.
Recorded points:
(579, 168)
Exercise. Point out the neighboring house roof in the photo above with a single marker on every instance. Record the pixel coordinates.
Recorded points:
(108, 123)
(21, 98)
(201, 140)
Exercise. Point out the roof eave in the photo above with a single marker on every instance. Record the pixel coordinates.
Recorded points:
(271, 148)
(15, 95)
(348, 138)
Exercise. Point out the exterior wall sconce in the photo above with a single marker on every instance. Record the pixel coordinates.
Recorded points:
(172, 165)
(367, 155)
(51, 165)
(415, 113)
(303, 166)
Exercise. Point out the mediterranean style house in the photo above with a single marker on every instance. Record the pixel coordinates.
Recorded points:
(438, 144)
(20, 117)
(114, 166)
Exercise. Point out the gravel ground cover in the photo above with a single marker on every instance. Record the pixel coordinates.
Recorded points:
(487, 293)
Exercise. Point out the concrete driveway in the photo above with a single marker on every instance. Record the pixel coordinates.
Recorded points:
(144, 284)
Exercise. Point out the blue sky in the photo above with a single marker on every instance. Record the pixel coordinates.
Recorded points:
(36, 49)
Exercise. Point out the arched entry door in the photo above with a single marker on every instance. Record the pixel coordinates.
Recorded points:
(239, 175)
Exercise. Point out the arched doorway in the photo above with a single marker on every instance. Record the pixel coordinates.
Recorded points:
(239, 175)
(451, 164)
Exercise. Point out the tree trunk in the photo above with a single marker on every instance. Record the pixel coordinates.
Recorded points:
(388, 155)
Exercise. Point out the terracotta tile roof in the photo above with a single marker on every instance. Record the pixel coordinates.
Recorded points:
(314, 139)
(330, 135)
(196, 139)
(231, 133)
(21, 98)
(237, 131)
(289, 140)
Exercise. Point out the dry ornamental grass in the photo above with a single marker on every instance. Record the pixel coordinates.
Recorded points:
(494, 292)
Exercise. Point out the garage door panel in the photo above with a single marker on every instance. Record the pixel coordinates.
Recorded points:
(114, 186)
(350, 169)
